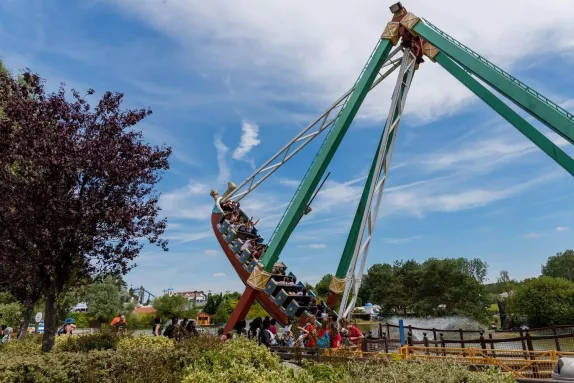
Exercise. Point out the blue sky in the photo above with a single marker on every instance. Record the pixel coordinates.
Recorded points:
(230, 82)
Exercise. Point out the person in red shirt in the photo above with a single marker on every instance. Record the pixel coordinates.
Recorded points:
(355, 335)
(273, 327)
(309, 332)
(335, 336)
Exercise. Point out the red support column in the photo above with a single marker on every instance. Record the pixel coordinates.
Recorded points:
(242, 308)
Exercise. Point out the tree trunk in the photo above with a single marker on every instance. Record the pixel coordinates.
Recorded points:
(26, 322)
(50, 321)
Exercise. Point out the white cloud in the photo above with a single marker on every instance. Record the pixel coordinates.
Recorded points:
(211, 252)
(190, 202)
(289, 182)
(249, 140)
(313, 246)
(311, 57)
(495, 149)
(398, 241)
(186, 237)
(562, 228)
(532, 235)
(219, 275)
(224, 172)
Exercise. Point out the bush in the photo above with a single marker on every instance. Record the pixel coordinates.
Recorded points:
(82, 319)
(203, 359)
(102, 340)
(144, 342)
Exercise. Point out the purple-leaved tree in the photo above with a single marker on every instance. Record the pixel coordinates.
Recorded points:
(77, 190)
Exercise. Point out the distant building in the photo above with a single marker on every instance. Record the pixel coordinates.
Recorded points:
(144, 310)
(197, 297)
(80, 308)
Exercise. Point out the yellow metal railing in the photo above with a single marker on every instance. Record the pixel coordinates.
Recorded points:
(521, 363)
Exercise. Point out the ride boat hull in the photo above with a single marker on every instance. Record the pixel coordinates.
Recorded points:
(264, 300)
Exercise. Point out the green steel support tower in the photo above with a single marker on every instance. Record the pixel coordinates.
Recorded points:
(417, 38)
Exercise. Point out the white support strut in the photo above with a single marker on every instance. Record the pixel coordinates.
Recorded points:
(304, 137)
(382, 166)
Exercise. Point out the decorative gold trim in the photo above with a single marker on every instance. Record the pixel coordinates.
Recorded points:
(214, 194)
(230, 188)
(430, 51)
(258, 278)
(409, 21)
(391, 32)
(337, 286)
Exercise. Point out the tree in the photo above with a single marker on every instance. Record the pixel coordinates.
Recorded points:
(212, 303)
(168, 306)
(435, 287)
(221, 315)
(77, 188)
(544, 301)
(322, 287)
(103, 299)
(560, 265)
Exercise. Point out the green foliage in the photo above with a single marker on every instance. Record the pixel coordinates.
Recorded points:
(102, 340)
(144, 342)
(205, 359)
(168, 306)
(82, 319)
(256, 311)
(140, 321)
(213, 302)
(322, 287)
(560, 265)
(12, 314)
(103, 299)
(432, 288)
(544, 301)
(221, 315)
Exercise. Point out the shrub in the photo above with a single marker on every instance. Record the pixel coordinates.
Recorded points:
(82, 319)
(102, 340)
(144, 342)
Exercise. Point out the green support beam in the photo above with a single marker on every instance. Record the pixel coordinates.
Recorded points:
(507, 113)
(540, 107)
(325, 154)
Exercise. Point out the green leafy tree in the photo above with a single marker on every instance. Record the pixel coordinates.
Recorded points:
(104, 299)
(77, 189)
(221, 315)
(212, 303)
(560, 265)
(545, 301)
(168, 306)
(322, 287)
(12, 314)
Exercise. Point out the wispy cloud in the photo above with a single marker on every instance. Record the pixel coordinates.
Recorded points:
(211, 252)
(562, 228)
(189, 202)
(224, 172)
(249, 140)
(398, 241)
(313, 246)
(532, 235)
(289, 182)
(219, 275)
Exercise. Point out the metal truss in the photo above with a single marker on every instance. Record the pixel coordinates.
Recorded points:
(355, 274)
(303, 138)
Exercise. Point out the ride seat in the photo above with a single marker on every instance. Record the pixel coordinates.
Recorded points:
(223, 226)
(236, 245)
(245, 256)
(231, 234)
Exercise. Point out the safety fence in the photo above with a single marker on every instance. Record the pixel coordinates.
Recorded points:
(522, 364)
(558, 338)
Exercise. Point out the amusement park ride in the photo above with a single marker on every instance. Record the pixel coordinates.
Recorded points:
(418, 38)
